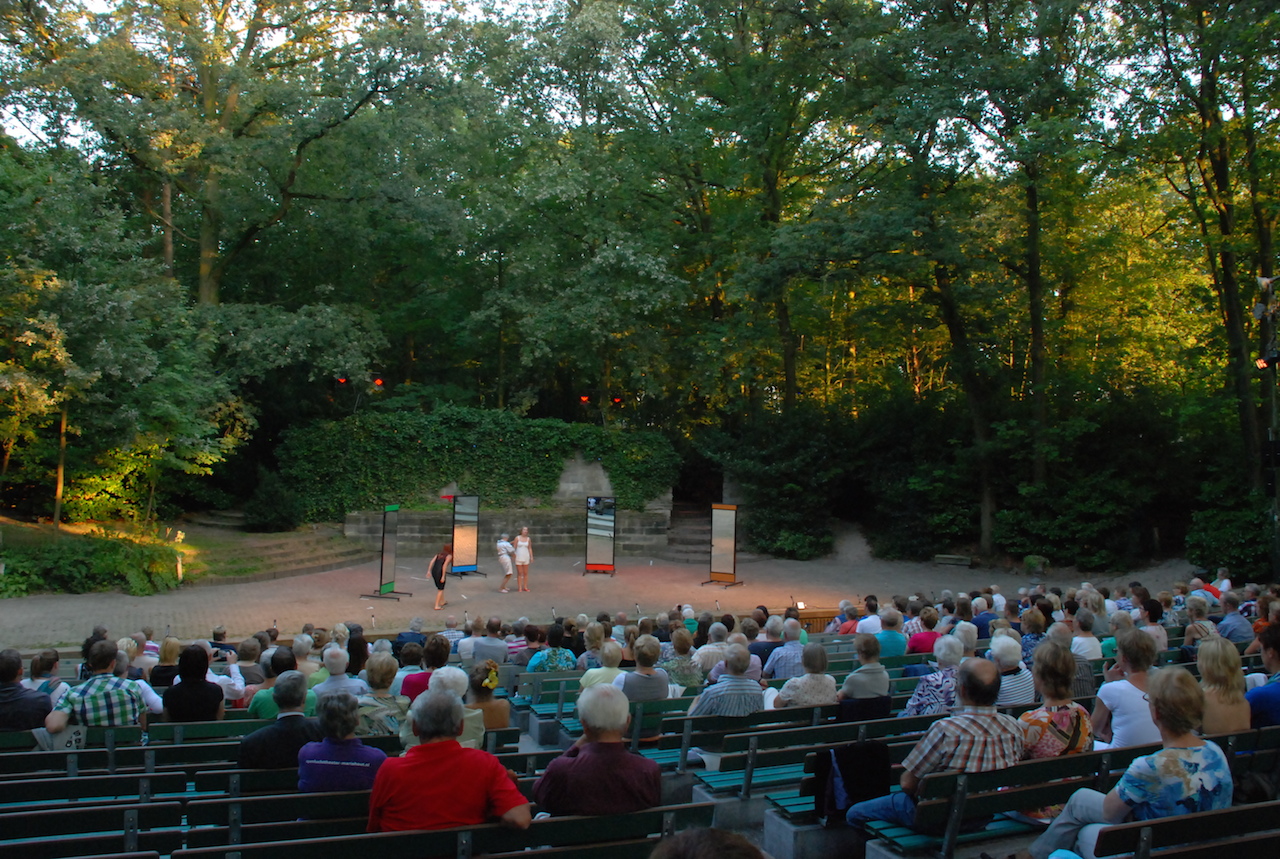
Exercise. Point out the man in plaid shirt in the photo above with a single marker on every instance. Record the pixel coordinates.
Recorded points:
(103, 699)
(975, 739)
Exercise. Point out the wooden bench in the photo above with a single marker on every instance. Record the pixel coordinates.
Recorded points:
(140, 787)
(1241, 832)
(180, 732)
(188, 756)
(84, 830)
(272, 817)
(681, 733)
(556, 834)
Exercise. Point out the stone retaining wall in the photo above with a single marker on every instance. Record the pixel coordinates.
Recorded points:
(556, 532)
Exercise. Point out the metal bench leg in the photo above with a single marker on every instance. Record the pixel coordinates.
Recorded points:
(749, 770)
(954, 819)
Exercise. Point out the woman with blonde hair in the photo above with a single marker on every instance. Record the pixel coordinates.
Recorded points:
(379, 711)
(629, 647)
(1121, 717)
(593, 638)
(1199, 626)
(1222, 679)
(162, 675)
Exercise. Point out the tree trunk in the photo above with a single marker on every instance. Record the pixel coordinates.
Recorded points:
(62, 468)
(210, 230)
(978, 396)
(1035, 296)
(166, 209)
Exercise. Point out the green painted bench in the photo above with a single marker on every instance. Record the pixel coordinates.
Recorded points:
(84, 830)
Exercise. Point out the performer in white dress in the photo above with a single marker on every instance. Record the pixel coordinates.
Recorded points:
(505, 552)
(524, 556)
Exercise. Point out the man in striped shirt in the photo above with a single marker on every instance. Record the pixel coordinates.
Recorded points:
(975, 739)
(733, 694)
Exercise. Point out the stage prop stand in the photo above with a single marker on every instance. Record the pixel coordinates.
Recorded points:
(601, 521)
(724, 545)
(466, 527)
(387, 569)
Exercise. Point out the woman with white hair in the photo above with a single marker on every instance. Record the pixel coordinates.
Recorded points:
(340, 761)
(936, 692)
(452, 680)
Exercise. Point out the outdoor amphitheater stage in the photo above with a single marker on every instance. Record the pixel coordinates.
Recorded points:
(641, 586)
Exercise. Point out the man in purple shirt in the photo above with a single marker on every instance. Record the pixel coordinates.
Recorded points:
(339, 761)
(599, 775)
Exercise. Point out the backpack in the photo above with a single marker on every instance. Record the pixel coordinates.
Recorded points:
(849, 775)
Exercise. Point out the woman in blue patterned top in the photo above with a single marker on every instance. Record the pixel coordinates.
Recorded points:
(1189, 774)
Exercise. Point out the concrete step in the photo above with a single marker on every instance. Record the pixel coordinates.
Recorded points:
(231, 520)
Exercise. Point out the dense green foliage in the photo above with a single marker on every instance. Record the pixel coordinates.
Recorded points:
(981, 276)
(405, 457)
(86, 564)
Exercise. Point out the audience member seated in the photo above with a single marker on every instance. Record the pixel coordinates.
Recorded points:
(1059, 726)
(1150, 614)
(554, 657)
(435, 655)
(922, 641)
(379, 711)
(222, 650)
(481, 682)
(410, 660)
(339, 761)
(610, 659)
(103, 699)
(452, 680)
(277, 745)
(467, 646)
(438, 784)
(1210, 594)
(1032, 623)
(262, 705)
(1084, 641)
(593, 638)
(976, 738)
(869, 623)
(1198, 624)
(1189, 774)
(598, 775)
(1222, 680)
(451, 633)
(21, 709)
(892, 641)
(646, 682)
(982, 617)
(491, 646)
(1083, 685)
(1017, 685)
(336, 661)
(772, 640)
(413, 635)
(167, 669)
(195, 699)
(936, 692)
(785, 662)
(681, 667)
(814, 688)
(1233, 627)
(871, 679)
(44, 676)
(248, 653)
(1264, 701)
(1121, 716)
(734, 694)
(709, 654)
(755, 672)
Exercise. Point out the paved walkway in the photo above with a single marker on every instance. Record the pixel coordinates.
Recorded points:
(557, 587)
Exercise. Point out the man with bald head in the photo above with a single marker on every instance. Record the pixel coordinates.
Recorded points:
(975, 738)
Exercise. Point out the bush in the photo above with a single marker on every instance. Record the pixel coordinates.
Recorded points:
(273, 507)
(87, 564)
(1235, 532)
(372, 459)
(790, 469)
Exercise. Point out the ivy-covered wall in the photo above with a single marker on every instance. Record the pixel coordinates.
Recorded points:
(370, 460)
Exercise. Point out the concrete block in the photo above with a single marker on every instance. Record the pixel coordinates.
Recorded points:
(785, 840)
(545, 731)
(677, 788)
(731, 811)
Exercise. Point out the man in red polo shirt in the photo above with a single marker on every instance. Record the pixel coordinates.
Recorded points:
(439, 784)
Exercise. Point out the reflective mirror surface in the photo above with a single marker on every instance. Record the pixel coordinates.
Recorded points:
(724, 535)
(466, 523)
(600, 530)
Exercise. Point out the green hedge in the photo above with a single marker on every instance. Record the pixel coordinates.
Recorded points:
(77, 565)
(370, 459)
